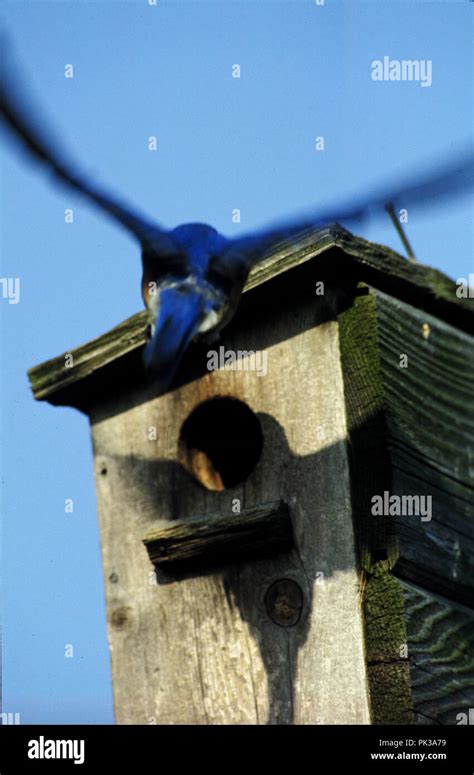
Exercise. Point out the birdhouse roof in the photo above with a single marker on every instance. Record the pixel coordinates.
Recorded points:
(334, 252)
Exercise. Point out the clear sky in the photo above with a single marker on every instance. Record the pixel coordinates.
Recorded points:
(222, 143)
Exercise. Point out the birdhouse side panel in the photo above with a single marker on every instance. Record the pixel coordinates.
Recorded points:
(267, 640)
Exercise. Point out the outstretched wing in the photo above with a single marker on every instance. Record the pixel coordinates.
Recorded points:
(17, 113)
(451, 179)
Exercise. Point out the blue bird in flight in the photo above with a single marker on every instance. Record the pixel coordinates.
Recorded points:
(193, 276)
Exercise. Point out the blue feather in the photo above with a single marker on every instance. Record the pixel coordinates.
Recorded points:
(179, 316)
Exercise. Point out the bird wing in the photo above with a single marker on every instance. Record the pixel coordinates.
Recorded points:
(453, 178)
(16, 111)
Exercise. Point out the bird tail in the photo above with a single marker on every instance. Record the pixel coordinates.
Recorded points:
(179, 317)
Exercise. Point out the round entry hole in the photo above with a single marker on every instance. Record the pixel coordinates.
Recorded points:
(221, 442)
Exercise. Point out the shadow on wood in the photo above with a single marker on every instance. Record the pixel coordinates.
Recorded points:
(322, 554)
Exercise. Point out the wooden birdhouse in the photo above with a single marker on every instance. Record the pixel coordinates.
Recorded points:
(288, 533)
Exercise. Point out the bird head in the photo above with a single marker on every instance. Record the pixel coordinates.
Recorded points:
(199, 243)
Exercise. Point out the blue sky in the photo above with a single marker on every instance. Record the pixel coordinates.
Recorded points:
(222, 143)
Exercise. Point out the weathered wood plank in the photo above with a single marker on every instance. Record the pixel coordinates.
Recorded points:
(411, 432)
(408, 380)
(206, 649)
(56, 374)
(337, 253)
(430, 437)
(262, 530)
(440, 639)
(417, 284)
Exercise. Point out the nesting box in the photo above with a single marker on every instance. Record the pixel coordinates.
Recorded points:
(288, 533)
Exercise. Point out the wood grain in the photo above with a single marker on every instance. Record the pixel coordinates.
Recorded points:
(440, 637)
(204, 649)
(430, 436)
(262, 530)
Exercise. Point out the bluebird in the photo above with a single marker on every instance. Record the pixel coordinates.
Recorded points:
(193, 276)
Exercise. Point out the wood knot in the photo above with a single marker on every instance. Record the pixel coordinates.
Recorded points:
(284, 602)
(121, 616)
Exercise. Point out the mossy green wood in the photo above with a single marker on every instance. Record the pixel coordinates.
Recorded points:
(408, 380)
(365, 410)
(387, 668)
